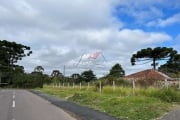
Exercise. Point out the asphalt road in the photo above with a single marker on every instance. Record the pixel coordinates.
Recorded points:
(23, 105)
(172, 115)
(80, 112)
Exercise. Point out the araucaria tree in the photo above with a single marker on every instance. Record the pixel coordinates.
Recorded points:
(10, 53)
(172, 66)
(11, 73)
(39, 69)
(153, 55)
(56, 76)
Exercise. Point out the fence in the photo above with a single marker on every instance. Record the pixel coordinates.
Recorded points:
(99, 86)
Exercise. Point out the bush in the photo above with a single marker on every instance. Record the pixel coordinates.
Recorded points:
(168, 95)
(27, 81)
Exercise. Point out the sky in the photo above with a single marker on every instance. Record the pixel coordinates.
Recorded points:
(61, 32)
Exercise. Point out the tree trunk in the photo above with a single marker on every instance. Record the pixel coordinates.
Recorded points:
(154, 63)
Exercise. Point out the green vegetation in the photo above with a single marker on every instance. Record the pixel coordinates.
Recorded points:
(144, 104)
(11, 53)
(154, 55)
(117, 71)
(87, 76)
(121, 101)
(172, 67)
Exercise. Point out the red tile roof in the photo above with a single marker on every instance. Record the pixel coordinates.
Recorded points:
(149, 74)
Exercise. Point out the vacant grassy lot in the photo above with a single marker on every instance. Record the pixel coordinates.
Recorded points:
(144, 104)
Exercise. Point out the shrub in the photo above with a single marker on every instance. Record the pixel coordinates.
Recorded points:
(168, 95)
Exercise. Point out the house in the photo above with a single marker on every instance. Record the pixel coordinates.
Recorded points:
(149, 77)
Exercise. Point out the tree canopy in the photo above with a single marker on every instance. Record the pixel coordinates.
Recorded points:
(39, 69)
(87, 76)
(10, 53)
(153, 55)
(56, 73)
(172, 66)
(117, 71)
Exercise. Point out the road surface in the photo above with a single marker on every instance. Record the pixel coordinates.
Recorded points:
(172, 115)
(23, 105)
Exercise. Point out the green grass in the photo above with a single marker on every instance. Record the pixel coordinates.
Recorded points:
(145, 104)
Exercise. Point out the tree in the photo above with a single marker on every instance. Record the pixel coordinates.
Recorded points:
(27, 81)
(117, 71)
(39, 69)
(10, 53)
(46, 79)
(39, 76)
(153, 55)
(172, 66)
(87, 76)
(19, 70)
(56, 75)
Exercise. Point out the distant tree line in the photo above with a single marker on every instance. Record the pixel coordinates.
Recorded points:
(13, 75)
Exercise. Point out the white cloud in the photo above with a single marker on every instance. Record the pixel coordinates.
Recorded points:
(170, 21)
(143, 12)
(60, 31)
(175, 19)
(116, 45)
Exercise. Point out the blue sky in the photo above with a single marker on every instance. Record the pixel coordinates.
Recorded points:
(59, 32)
(151, 13)
(163, 13)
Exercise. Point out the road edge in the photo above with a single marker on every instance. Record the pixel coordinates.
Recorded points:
(75, 110)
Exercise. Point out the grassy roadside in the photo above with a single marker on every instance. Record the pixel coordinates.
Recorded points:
(146, 104)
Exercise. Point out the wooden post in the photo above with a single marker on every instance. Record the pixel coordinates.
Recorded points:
(88, 85)
(179, 82)
(73, 84)
(166, 83)
(80, 85)
(100, 87)
(114, 86)
(68, 84)
(134, 87)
